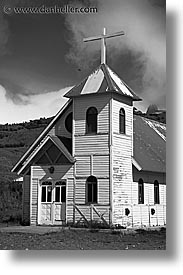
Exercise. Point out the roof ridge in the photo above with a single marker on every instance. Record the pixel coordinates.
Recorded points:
(147, 118)
(41, 136)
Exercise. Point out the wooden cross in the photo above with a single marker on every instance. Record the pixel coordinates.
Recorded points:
(103, 38)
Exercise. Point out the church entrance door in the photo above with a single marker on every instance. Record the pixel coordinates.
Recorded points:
(52, 202)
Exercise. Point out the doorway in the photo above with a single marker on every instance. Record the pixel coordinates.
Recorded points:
(52, 202)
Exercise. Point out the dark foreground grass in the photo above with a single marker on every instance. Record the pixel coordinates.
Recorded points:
(84, 240)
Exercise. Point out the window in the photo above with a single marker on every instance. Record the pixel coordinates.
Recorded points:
(91, 190)
(156, 192)
(91, 120)
(141, 191)
(60, 191)
(46, 194)
(122, 121)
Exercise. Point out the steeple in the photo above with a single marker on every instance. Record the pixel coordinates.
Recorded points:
(103, 38)
(103, 79)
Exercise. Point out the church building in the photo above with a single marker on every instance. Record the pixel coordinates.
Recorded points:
(96, 161)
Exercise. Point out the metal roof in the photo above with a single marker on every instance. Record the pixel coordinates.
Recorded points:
(149, 144)
(102, 80)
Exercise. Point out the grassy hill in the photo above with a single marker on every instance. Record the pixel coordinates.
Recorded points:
(14, 141)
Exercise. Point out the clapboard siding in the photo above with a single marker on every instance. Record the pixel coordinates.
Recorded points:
(80, 188)
(60, 129)
(26, 199)
(95, 165)
(41, 173)
(162, 190)
(121, 176)
(83, 166)
(34, 201)
(149, 193)
(116, 106)
(81, 104)
(122, 145)
(91, 144)
(103, 191)
(101, 166)
(140, 214)
(70, 199)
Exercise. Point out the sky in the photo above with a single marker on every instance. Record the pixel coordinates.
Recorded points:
(43, 55)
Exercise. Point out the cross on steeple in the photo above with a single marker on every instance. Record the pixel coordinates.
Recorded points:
(103, 38)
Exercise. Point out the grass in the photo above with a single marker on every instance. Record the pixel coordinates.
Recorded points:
(82, 239)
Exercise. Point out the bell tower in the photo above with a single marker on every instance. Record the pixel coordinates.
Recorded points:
(103, 137)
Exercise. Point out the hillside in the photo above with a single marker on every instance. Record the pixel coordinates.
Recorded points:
(14, 141)
(16, 138)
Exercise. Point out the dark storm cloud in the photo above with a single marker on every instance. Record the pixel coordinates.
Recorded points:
(15, 92)
(43, 44)
(4, 35)
(139, 56)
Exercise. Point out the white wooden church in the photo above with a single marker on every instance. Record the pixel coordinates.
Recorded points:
(96, 161)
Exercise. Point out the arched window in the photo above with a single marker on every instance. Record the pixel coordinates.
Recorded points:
(156, 192)
(141, 191)
(91, 189)
(122, 121)
(91, 120)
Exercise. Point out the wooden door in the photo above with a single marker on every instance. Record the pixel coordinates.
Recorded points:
(53, 202)
(59, 209)
(46, 202)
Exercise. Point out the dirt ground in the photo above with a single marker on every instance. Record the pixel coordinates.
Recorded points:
(74, 239)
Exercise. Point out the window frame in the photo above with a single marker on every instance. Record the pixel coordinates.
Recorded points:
(122, 119)
(140, 194)
(93, 124)
(46, 185)
(60, 185)
(156, 192)
(94, 187)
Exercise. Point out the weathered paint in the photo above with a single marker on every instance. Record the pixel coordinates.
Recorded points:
(147, 214)
(106, 155)
(39, 174)
(122, 151)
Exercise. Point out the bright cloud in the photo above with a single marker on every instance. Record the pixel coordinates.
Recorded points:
(42, 105)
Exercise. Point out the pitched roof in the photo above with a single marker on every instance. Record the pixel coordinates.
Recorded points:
(18, 165)
(102, 80)
(149, 144)
(59, 144)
